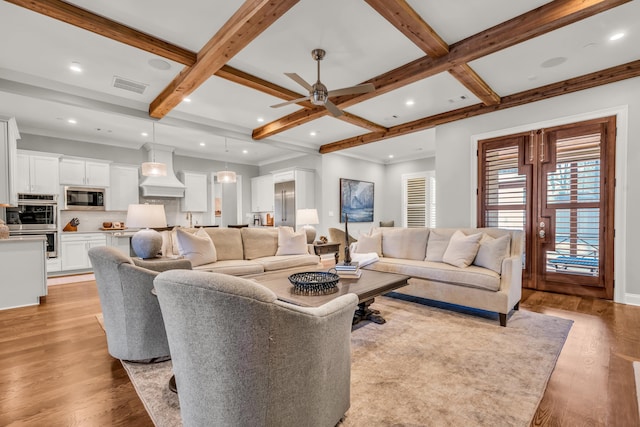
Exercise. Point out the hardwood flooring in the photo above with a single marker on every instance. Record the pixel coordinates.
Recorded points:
(55, 369)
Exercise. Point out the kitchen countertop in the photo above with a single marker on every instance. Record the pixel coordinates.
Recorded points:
(22, 238)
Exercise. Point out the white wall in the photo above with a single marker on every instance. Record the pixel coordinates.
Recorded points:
(391, 207)
(454, 160)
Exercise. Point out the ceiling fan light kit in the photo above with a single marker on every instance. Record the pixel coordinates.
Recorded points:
(318, 92)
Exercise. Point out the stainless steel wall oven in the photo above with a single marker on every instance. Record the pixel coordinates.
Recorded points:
(35, 214)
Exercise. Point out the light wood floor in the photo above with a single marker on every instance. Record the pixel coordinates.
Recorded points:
(55, 369)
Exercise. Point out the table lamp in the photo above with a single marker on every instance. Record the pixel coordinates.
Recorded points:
(308, 217)
(146, 243)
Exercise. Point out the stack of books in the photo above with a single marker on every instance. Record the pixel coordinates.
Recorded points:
(349, 270)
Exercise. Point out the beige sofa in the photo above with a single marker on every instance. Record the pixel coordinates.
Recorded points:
(243, 251)
(418, 252)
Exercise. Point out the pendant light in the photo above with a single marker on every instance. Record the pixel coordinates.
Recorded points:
(226, 176)
(154, 168)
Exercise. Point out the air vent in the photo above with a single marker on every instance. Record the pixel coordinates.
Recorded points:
(130, 85)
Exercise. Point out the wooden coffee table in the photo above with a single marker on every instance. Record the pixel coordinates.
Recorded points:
(367, 287)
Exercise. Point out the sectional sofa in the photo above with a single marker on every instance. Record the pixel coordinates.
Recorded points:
(241, 251)
(474, 267)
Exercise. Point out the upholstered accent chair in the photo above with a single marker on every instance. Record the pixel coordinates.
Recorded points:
(242, 357)
(132, 317)
(337, 235)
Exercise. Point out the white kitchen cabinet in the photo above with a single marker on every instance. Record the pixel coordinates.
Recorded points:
(262, 193)
(74, 249)
(84, 172)
(24, 271)
(54, 265)
(195, 192)
(37, 173)
(123, 190)
(121, 242)
(8, 160)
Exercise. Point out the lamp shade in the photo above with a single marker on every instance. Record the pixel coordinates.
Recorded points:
(154, 169)
(307, 216)
(226, 176)
(146, 216)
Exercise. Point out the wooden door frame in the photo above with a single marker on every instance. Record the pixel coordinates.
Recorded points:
(620, 220)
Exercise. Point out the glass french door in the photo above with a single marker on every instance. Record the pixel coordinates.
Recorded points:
(556, 184)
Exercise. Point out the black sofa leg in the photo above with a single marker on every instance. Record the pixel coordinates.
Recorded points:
(503, 319)
(517, 306)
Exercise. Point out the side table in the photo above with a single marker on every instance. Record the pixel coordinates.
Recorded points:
(327, 248)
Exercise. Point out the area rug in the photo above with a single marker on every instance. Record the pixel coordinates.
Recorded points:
(425, 367)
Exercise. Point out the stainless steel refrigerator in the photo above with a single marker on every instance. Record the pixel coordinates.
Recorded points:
(285, 204)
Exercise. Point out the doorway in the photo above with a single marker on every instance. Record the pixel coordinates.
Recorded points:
(558, 185)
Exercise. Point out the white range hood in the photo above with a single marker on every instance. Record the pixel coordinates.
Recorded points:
(161, 186)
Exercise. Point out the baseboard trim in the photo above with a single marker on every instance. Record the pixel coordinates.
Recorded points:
(632, 299)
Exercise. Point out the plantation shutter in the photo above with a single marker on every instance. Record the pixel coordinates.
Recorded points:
(419, 200)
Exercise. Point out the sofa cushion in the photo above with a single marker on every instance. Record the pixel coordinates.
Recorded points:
(291, 243)
(197, 248)
(406, 243)
(370, 244)
(259, 242)
(462, 249)
(492, 251)
(437, 245)
(472, 276)
(228, 242)
(281, 262)
(234, 267)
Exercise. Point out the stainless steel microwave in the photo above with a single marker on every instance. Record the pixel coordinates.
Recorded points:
(84, 199)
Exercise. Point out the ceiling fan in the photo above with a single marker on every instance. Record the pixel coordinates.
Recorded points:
(318, 93)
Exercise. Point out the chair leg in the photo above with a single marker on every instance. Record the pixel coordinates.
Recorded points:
(503, 319)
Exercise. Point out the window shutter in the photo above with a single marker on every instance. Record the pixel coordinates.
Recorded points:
(419, 200)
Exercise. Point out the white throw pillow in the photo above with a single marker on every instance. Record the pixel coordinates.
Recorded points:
(197, 248)
(492, 252)
(369, 244)
(436, 246)
(290, 243)
(462, 249)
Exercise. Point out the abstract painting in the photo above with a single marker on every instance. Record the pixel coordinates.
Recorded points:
(356, 200)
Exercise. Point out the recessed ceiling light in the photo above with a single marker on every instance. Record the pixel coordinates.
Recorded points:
(616, 36)
(72, 121)
(75, 67)
(553, 62)
(391, 156)
(144, 134)
(260, 120)
(159, 64)
(202, 144)
(186, 99)
(245, 151)
(313, 133)
(409, 103)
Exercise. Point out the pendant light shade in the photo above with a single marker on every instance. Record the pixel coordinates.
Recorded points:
(154, 168)
(226, 176)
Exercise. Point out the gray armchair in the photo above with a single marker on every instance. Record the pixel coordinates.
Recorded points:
(241, 357)
(132, 318)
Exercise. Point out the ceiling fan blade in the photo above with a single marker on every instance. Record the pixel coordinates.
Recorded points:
(363, 88)
(293, 101)
(335, 111)
(296, 78)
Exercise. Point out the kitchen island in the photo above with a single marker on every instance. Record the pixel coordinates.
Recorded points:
(23, 271)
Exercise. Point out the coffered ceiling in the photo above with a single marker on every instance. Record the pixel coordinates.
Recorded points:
(431, 62)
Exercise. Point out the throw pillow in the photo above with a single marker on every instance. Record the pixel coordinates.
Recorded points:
(492, 252)
(462, 249)
(197, 248)
(436, 246)
(290, 243)
(370, 244)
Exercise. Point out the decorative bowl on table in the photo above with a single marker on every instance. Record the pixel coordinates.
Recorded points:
(314, 283)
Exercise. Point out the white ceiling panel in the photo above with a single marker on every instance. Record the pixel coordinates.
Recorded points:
(431, 96)
(584, 46)
(413, 146)
(327, 129)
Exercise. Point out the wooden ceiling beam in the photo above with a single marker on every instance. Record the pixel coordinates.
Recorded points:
(363, 123)
(587, 81)
(472, 81)
(546, 18)
(402, 16)
(249, 21)
(89, 21)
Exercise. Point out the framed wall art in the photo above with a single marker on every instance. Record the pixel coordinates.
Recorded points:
(356, 200)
